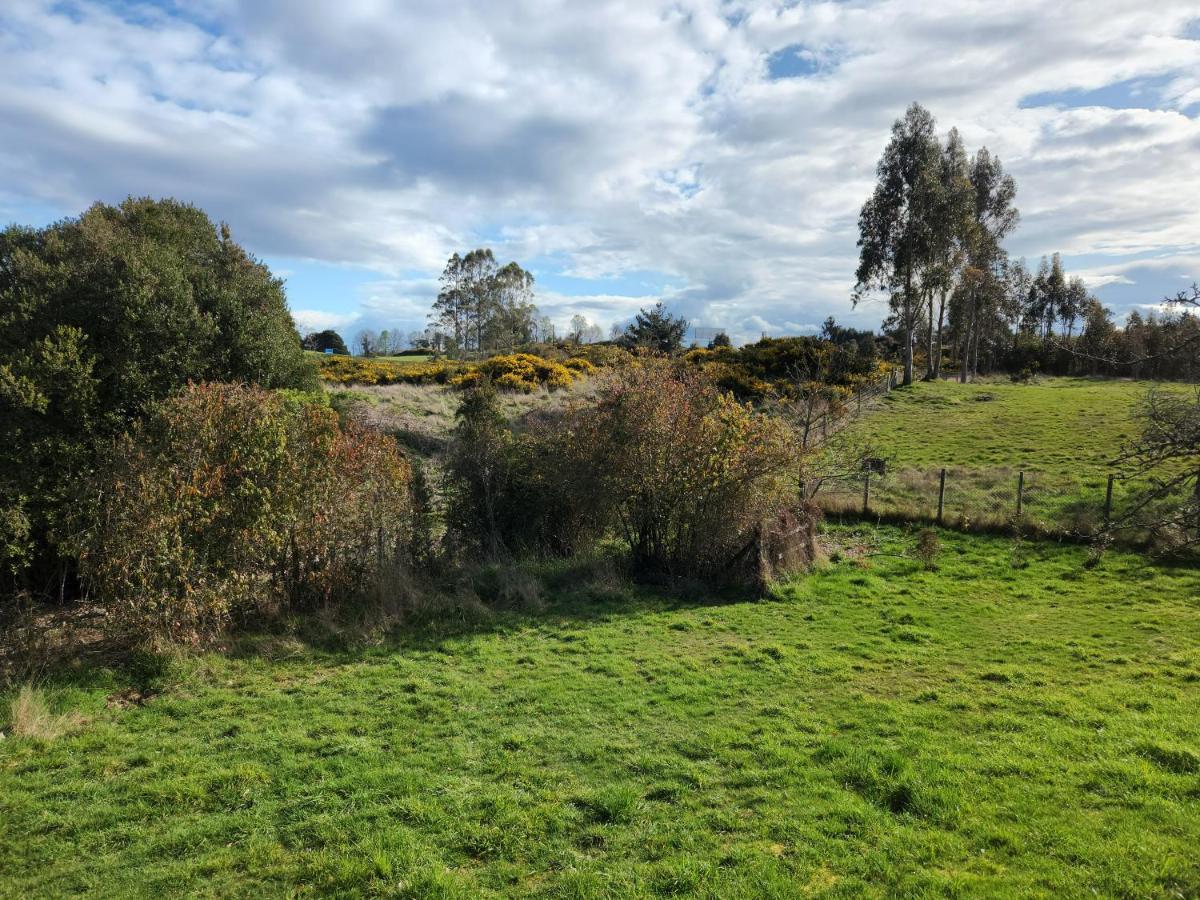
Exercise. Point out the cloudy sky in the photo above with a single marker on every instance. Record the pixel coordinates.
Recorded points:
(714, 154)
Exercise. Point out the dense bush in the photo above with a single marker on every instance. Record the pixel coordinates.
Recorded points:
(690, 479)
(524, 372)
(229, 500)
(520, 372)
(538, 491)
(775, 366)
(365, 370)
(693, 474)
(99, 317)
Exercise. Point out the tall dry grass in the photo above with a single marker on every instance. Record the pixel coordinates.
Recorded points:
(30, 716)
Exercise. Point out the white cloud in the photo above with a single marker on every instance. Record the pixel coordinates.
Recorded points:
(319, 320)
(613, 136)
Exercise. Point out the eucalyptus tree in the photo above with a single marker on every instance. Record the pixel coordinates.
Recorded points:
(483, 305)
(950, 231)
(993, 217)
(895, 226)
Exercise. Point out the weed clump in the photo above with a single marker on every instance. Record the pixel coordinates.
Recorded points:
(928, 548)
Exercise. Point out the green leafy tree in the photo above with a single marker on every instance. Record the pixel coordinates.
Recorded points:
(656, 329)
(483, 305)
(950, 240)
(325, 340)
(983, 288)
(100, 316)
(896, 235)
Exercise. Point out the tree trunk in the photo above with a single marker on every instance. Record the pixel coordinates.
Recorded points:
(965, 363)
(937, 346)
(909, 316)
(930, 367)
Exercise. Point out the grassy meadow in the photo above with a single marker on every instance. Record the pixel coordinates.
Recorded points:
(1017, 722)
(1063, 433)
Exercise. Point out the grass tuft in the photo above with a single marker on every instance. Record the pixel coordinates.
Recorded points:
(30, 717)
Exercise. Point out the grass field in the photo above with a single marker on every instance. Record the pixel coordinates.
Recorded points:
(1013, 724)
(1063, 433)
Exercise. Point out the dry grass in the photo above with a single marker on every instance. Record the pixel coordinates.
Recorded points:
(30, 716)
(422, 415)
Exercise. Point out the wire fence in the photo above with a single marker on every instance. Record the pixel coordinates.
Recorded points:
(1080, 506)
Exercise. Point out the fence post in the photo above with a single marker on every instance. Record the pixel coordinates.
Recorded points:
(941, 496)
(866, 493)
(1020, 490)
(1108, 500)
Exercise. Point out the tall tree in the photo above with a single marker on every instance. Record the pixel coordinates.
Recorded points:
(483, 305)
(949, 238)
(895, 225)
(993, 218)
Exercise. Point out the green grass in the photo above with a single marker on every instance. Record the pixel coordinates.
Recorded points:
(1013, 724)
(1063, 433)
(1058, 426)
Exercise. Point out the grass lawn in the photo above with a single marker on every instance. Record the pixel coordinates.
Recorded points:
(1061, 432)
(1012, 724)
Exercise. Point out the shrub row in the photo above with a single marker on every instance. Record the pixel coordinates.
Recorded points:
(521, 372)
(687, 477)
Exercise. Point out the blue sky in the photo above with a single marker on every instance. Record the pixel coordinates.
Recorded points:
(712, 153)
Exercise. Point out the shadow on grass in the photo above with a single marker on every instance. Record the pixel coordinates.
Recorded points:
(432, 616)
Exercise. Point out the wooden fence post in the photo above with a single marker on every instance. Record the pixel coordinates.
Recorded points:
(1020, 490)
(866, 493)
(1108, 500)
(941, 496)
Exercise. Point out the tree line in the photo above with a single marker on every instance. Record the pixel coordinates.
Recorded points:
(931, 240)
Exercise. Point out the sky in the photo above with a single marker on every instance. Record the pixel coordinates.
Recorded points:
(711, 154)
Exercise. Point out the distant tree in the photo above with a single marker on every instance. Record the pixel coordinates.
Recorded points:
(325, 340)
(657, 329)
(579, 325)
(483, 305)
(544, 329)
(896, 223)
(593, 333)
(616, 332)
(721, 339)
(367, 342)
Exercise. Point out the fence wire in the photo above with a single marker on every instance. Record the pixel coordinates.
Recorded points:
(968, 499)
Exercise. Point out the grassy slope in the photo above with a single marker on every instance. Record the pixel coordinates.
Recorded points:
(985, 729)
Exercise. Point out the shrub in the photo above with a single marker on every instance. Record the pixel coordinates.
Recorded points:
(697, 484)
(103, 315)
(524, 372)
(364, 370)
(693, 476)
(579, 365)
(229, 500)
(602, 355)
